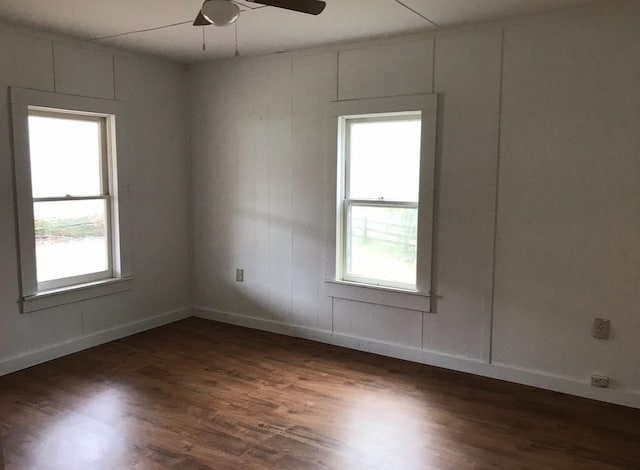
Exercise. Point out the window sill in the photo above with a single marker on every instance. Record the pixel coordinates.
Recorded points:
(78, 293)
(390, 297)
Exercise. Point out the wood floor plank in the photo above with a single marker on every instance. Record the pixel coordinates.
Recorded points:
(197, 394)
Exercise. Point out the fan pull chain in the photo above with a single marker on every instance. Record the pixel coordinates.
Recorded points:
(237, 53)
(204, 45)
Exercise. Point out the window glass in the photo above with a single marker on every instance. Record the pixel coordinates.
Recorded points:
(381, 243)
(71, 238)
(384, 159)
(65, 156)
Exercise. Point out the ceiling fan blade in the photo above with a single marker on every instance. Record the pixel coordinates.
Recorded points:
(201, 20)
(312, 7)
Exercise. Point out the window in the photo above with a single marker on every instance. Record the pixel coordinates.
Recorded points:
(381, 197)
(385, 159)
(71, 198)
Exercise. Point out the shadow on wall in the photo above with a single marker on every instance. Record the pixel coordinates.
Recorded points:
(283, 268)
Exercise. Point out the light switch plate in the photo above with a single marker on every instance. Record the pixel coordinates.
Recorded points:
(601, 328)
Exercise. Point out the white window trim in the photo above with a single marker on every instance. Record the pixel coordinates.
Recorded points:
(418, 299)
(120, 278)
(378, 295)
(76, 293)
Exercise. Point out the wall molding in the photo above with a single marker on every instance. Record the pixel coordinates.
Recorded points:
(462, 364)
(32, 358)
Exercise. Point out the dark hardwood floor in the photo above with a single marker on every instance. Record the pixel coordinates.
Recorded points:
(197, 394)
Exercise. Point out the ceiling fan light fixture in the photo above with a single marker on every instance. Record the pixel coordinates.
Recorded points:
(220, 12)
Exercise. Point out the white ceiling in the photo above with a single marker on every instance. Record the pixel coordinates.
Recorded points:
(260, 30)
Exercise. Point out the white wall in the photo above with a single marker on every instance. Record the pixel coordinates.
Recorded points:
(555, 96)
(156, 157)
(568, 214)
(528, 247)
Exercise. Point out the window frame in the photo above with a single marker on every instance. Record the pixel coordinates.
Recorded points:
(106, 123)
(37, 296)
(348, 202)
(353, 289)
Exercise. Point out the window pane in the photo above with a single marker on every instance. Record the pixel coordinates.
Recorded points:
(71, 238)
(384, 159)
(65, 156)
(381, 244)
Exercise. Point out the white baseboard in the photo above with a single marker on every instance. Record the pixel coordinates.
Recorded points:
(496, 371)
(55, 351)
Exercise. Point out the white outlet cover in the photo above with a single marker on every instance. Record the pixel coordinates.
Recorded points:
(600, 381)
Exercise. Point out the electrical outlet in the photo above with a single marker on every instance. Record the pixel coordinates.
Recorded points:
(601, 328)
(239, 275)
(600, 381)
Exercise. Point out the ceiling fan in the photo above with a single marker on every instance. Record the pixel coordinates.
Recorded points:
(225, 12)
